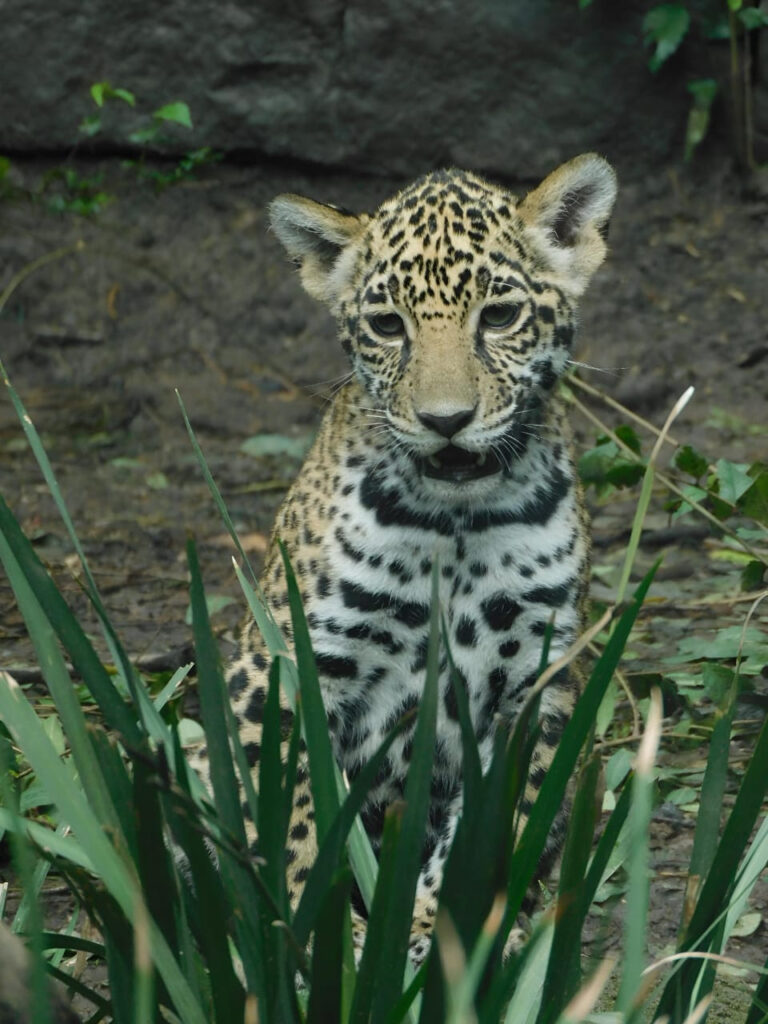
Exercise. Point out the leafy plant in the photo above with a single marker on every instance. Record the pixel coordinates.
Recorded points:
(221, 942)
(664, 29)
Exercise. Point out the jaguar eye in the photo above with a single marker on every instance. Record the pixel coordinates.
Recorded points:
(387, 325)
(500, 314)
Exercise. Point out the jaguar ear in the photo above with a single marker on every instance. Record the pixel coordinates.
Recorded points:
(567, 217)
(319, 239)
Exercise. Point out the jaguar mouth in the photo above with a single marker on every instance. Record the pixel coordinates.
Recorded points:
(459, 465)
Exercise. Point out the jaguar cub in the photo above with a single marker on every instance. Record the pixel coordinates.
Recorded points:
(456, 305)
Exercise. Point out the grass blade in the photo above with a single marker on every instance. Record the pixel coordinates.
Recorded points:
(327, 861)
(84, 658)
(564, 969)
(327, 958)
(28, 733)
(325, 796)
(638, 865)
(397, 928)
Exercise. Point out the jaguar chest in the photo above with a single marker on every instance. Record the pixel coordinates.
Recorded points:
(503, 574)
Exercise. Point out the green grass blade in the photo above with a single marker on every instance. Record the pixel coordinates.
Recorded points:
(325, 795)
(397, 927)
(374, 947)
(209, 908)
(719, 884)
(577, 729)
(84, 658)
(235, 868)
(56, 843)
(327, 957)
(638, 860)
(274, 823)
(564, 969)
(23, 861)
(471, 767)
(28, 733)
(328, 857)
(213, 696)
(218, 500)
(707, 830)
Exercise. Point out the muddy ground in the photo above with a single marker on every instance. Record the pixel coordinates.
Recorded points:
(187, 289)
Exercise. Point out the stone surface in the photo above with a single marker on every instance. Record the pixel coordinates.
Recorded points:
(509, 87)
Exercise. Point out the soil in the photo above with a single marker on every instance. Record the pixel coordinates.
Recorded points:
(187, 289)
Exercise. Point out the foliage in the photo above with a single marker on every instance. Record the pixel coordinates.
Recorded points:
(64, 190)
(664, 29)
(221, 943)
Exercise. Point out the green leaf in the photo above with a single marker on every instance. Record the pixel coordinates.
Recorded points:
(693, 492)
(90, 125)
(752, 18)
(175, 112)
(733, 478)
(753, 575)
(665, 27)
(157, 481)
(689, 461)
(627, 434)
(754, 502)
(144, 135)
(101, 91)
(214, 603)
(97, 92)
(703, 91)
(261, 445)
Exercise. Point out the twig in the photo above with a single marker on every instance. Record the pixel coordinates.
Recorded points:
(30, 268)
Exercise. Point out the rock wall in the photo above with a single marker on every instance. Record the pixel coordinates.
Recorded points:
(510, 86)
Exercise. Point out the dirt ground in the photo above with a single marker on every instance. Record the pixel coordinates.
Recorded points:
(188, 290)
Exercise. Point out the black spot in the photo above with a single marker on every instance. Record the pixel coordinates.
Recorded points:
(299, 831)
(301, 874)
(360, 631)
(500, 611)
(351, 552)
(411, 613)
(252, 751)
(420, 661)
(552, 597)
(336, 666)
(302, 800)
(259, 661)
(255, 710)
(323, 585)
(355, 596)
(466, 633)
(497, 680)
(374, 677)
(509, 648)
(238, 682)
(478, 569)
(449, 698)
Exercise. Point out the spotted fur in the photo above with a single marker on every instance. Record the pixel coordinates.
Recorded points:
(456, 304)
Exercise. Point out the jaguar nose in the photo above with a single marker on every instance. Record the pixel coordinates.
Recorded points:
(448, 425)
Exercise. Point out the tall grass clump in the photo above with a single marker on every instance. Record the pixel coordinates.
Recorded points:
(196, 927)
